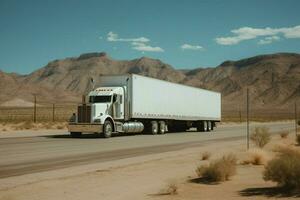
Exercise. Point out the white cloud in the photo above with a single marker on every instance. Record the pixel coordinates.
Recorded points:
(139, 44)
(248, 33)
(269, 40)
(191, 47)
(113, 37)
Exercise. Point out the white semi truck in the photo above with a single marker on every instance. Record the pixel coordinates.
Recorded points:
(134, 104)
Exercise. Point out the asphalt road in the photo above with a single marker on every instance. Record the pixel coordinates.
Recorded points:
(25, 155)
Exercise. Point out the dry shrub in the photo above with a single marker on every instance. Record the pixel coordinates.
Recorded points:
(60, 126)
(260, 136)
(284, 168)
(4, 129)
(218, 170)
(26, 125)
(298, 139)
(256, 157)
(171, 189)
(205, 155)
(284, 134)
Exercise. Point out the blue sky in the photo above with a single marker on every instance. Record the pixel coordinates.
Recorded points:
(185, 34)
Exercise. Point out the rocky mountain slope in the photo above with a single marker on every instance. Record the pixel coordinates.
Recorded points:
(273, 80)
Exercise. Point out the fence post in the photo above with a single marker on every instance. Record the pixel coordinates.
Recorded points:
(296, 120)
(34, 109)
(53, 112)
(248, 119)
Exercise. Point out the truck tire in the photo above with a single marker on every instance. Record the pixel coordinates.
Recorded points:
(107, 129)
(202, 126)
(75, 134)
(209, 125)
(212, 126)
(154, 127)
(162, 127)
(205, 126)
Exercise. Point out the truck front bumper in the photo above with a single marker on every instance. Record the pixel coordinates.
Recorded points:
(85, 127)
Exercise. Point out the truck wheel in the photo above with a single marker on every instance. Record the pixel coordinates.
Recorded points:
(212, 126)
(209, 126)
(107, 129)
(75, 134)
(205, 127)
(154, 127)
(202, 126)
(162, 127)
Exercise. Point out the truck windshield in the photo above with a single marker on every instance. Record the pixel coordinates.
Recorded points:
(100, 99)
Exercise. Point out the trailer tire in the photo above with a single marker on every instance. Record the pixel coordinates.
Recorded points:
(154, 127)
(75, 134)
(162, 127)
(107, 129)
(205, 127)
(209, 126)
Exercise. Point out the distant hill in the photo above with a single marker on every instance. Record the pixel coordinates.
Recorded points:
(273, 80)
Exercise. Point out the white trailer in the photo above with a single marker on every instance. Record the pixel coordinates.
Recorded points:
(134, 103)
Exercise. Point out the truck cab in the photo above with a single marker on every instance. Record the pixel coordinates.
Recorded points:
(104, 108)
(106, 102)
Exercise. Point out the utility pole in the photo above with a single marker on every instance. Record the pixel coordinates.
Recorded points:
(248, 119)
(34, 109)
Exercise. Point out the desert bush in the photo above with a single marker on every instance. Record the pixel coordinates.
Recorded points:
(26, 125)
(256, 157)
(60, 126)
(284, 134)
(260, 136)
(171, 189)
(205, 155)
(218, 170)
(298, 139)
(284, 168)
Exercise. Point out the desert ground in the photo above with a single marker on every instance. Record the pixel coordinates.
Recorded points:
(48, 164)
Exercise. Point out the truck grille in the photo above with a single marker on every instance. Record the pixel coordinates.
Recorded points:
(84, 113)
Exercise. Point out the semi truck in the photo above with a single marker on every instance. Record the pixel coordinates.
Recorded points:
(135, 104)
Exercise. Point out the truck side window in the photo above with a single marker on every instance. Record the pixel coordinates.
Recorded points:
(114, 98)
(120, 96)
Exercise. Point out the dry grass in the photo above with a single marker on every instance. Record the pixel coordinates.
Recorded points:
(25, 125)
(284, 134)
(32, 126)
(284, 168)
(260, 136)
(205, 155)
(256, 157)
(218, 170)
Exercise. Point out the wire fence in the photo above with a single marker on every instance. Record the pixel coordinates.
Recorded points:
(42, 112)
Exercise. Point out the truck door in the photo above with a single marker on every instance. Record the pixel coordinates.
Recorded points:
(118, 106)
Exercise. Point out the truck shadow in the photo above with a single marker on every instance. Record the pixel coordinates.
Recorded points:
(100, 136)
(270, 192)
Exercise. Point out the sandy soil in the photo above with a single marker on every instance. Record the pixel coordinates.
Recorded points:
(145, 177)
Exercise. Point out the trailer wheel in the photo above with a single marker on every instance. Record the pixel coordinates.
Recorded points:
(212, 126)
(107, 129)
(202, 126)
(75, 134)
(205, 126)
(154, 127)
(209, 126)
(162, 127)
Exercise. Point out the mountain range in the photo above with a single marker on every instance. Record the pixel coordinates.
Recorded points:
(273, 80)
